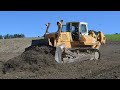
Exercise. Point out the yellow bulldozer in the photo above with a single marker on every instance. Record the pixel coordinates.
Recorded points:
(72, 42)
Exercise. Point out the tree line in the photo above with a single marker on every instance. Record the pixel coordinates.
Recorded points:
(8, 36)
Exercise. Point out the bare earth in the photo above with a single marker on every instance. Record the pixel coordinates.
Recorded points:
(44, 67)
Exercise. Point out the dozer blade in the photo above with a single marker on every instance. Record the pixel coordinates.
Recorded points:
(63, 55)
(58, 53)
(40, 42)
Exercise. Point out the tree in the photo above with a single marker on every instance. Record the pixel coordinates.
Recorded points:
(1, 37)
(19, 35)
(14, 36)
(116, 33)
(22, 35)
(7, 36)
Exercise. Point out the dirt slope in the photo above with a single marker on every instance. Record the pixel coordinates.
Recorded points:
(10, 48)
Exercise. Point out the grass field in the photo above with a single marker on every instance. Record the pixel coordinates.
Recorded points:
(113, 37)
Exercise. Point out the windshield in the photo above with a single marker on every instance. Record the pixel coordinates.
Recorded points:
(63, 28)
(68, 27)
(83, 28)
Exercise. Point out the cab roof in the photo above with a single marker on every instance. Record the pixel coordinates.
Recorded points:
(78, 22)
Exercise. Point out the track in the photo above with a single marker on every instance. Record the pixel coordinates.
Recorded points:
(80, 54)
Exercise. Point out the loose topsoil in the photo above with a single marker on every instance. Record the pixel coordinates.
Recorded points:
(32, 60)
(39, 63)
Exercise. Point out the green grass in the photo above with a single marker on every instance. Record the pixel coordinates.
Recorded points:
(113, 37)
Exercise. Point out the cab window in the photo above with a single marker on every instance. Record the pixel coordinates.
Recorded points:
(64, 28)
(83, 28)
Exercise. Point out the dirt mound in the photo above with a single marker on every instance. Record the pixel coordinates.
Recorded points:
(32, 60)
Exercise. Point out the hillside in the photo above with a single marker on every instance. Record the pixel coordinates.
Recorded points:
(10, 48)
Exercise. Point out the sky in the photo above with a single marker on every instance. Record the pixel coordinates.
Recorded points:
(32, 23)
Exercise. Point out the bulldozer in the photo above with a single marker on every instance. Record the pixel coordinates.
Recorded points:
(72, 42)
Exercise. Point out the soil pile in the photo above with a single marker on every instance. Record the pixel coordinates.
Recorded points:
(32, 60)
